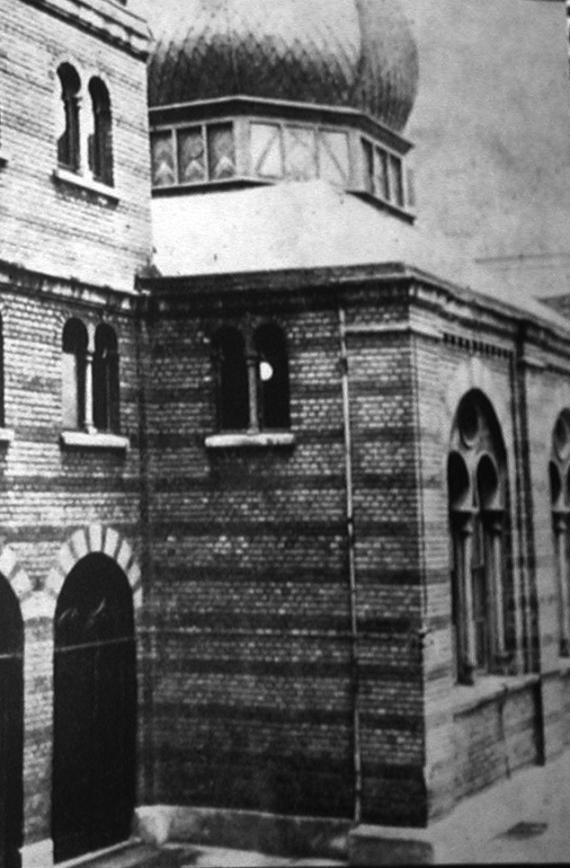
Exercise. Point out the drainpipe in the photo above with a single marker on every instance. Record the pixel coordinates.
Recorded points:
(355, 675)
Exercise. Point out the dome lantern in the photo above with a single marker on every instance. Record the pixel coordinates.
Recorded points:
(293, 90)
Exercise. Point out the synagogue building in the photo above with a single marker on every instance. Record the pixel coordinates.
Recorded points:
(284, 413)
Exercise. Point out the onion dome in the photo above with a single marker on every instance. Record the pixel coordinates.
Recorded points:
(357, 54)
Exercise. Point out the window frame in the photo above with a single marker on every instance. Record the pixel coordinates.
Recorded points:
(70, 98)
(252, 400)
(100, 140)
(204, 126)
(477, 494)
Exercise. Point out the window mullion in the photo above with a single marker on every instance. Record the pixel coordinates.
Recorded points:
(252, 386)
(560, 520)
(494, 522)
(89, 424)
(466, 622)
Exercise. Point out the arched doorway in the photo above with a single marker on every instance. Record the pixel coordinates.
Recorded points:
(11, 726)
(94, 709)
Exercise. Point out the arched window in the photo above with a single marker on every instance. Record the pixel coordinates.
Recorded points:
(106, 380)
(68, 148)
(231, 376)
(559, 477)
(477, 497)
(100, 140)
(272, 376)
(74, 358)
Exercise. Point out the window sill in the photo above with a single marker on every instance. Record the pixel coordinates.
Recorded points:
(250, 440)
(65, 176)
(486, 689)
(4, 158)
(6, 436)
(97, 440)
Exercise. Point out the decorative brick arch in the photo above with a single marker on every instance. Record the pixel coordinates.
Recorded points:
(474, 374)
(95, 539)
(17, 577)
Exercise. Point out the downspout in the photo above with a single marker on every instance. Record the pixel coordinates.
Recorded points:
(350, 536)
(532, 657)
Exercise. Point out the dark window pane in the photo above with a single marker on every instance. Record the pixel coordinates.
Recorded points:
(396, 181)
(74, 346)
(68, 140)
(273, 377)
(368, 156)
(232, 391)
(381, 181)
(106, 380)
(100, 142)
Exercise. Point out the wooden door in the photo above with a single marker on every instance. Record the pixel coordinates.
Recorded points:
(11, 727)
(94, 710)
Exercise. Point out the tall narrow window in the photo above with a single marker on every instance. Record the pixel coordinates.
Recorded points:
(272, 377)
(68, 148)
(232, 383)
(106, 380)
(559, 473)
(100, 140)
(74, 346)
(478, 522)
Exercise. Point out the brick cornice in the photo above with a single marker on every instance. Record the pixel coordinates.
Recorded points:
(108, 21)
(15, 278)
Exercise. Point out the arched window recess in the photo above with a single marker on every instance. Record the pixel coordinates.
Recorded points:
(559, 483)
(252, 379)
(478, 518)
(68, 142)
(100, 143)
(90, 378)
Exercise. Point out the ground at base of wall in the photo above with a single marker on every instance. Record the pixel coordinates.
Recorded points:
(525, 819)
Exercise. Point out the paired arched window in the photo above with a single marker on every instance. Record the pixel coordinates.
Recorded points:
(559, 477)
(90, 378)
(476, 479)
(252, 378)
(70, 142)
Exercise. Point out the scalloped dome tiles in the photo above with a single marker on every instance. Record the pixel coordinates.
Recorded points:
(357, 54)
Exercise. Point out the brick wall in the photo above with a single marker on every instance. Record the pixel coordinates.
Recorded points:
(253, 694)
(55, 227)
(65, 251)
(49, 491)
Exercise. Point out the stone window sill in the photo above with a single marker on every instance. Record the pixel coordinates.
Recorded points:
(6, 436)
(65, 176)
(486, 689)
(250, 440)
(4, 158)
(97, 440)
(564, 665)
